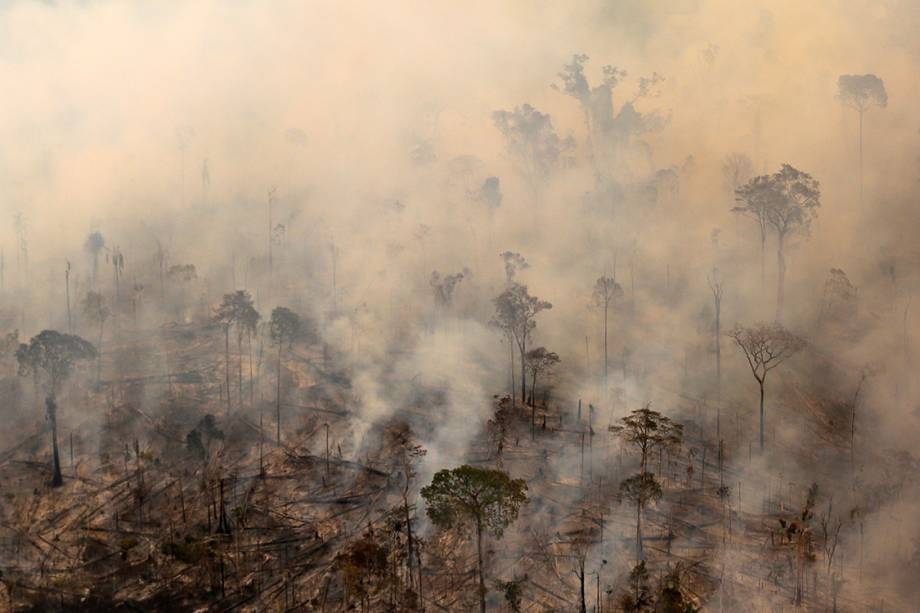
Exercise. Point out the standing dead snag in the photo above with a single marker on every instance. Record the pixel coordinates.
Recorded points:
(606, 292)
(486, 498)
(284, 328)
(515, 313)
(765, 346)
(54, 354)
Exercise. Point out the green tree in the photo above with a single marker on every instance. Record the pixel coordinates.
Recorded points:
(538, 361)
(54, 354)
(640, 489)
(284, 328)
(648, 430)
(237, 310)
(515, 313)
(486, 498)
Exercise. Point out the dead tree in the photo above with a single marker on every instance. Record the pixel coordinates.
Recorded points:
(765, 346)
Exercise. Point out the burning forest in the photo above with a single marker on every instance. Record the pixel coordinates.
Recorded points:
(338, 306)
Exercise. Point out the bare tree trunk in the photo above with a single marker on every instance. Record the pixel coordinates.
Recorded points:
(67, 284)
(252, 401)
(639, 553)
(482, 581)
(761, 415)
(523, 370)
(56, 479)
(606, 370)
(780, 277)
(239, 354)
(278, 396)
(99, 353)
(227, 364)
(513, 385)
(861, 155)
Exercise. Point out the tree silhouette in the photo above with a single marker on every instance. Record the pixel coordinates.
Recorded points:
(755, 197)
(538, 361)
(515, 313)
(54, 354)
(786, 201)
(284, 328)
(486, 498)
(606, 292)
(443, 288)
(796, 204)
(648, 430)
(94, 245)
(533, 144)
(737, 169)
(861, 92)
(640, 489)
(765, 346)
(95, 309)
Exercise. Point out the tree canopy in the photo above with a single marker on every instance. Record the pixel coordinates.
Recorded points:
(861, 91)
(53, 353)
(482, 496)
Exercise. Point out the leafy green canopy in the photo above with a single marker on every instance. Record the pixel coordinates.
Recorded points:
(486, 497)
(53, 353)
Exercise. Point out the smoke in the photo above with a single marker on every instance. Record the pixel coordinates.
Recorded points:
(353, 140)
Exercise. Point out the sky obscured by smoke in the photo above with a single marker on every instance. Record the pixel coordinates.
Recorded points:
(373, 124)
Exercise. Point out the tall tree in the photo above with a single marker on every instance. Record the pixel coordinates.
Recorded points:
(640, 489)
(284, 328)
(486, 498)
(765, 346)
(515, 313)
(786, 201)
(737, 169)
(54, 354)
(716, 287)
(238, 307)
(533, 144)
(443, 288)
(95, 310)
(538, 361)
(648, 430)
(861, 92)
(796, 202)
(606, 292)
(94, 245)
(754, 198)
(224, 316)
